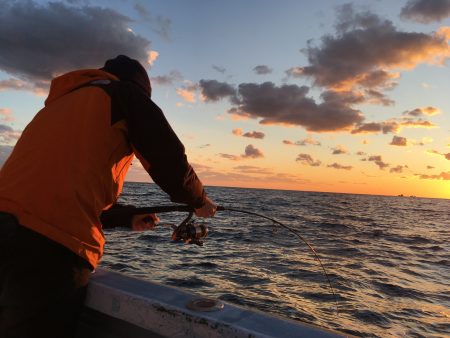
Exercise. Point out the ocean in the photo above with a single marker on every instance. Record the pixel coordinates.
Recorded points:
(388, 258)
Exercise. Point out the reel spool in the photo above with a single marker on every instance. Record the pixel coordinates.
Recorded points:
(190, 232)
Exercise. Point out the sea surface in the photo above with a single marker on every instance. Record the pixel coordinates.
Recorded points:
(388, 258)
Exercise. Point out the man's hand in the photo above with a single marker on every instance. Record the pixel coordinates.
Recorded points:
(207, 210)
(144, 222)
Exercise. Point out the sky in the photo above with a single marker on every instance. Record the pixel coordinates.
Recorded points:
(332, 96)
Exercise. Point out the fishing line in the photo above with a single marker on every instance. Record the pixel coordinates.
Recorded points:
(295, 232)
(185, 208)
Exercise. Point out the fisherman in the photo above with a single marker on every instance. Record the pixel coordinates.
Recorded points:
(68, 166)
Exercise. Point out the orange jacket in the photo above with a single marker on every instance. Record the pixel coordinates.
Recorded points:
(70, 162)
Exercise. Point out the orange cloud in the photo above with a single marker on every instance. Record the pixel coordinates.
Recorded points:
(442, 176)
(6, 115)
(391, 126)
(417, 124)
(253, 134)
(237, 132)
(39, 87)
(151, 57)
(428, 111)
(435, 152)
(304, 142)
(186, 94)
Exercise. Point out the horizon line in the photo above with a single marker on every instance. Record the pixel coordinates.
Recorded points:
(314, 191)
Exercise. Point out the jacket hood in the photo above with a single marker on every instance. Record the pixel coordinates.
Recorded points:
(65, 83)
(127, 69)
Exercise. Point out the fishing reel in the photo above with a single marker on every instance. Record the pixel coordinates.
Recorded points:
(190, 232)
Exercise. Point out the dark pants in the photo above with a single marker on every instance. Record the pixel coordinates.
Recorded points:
(42, 284)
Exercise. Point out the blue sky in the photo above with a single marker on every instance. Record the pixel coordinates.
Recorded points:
(338, 101)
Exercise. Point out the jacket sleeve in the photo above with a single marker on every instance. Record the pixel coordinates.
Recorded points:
(119, 215)
(161, 152)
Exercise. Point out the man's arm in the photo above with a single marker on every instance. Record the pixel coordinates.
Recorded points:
(121, 215)
(118, 215)
(161, 152)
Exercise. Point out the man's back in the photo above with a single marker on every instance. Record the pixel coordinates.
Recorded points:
(68, 165)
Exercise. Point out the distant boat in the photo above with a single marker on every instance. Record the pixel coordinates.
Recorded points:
(120, 306)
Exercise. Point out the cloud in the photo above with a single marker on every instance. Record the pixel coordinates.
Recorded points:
(159, 24)
(38, 87)
(237, 132)
(253, 134)
(262, 70)
(243, 175)
(230, 157)
(426, 11)
(338, 150)
(250, 152)
(6, 115)
(152, 56)
(309, 140)
(410, 123)
(399, 141)
(391, 126)
(378, 160)
(355, 65)
(398, 169)
(248, 169)
(304, 142)
(376, 127)
(8, 134)
(286, 105)
(340, 166)
(306, 159)
(49, 44)
(188, 92)
(435, 152)
(171, 78)
(213, 90)
(295, 72)
(424, 141)
(5, 151)
(15, 84)
(425, 111)
(442, 176)
(367, 52)
(219, 69)
(289, 105)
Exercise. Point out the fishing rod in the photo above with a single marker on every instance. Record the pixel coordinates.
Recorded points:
(192, 233)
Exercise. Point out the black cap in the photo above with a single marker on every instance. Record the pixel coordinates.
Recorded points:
(127, 69)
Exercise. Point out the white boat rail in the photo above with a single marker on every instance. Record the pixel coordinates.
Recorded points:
(122, 306)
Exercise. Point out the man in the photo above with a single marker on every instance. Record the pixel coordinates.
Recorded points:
(68, 166)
